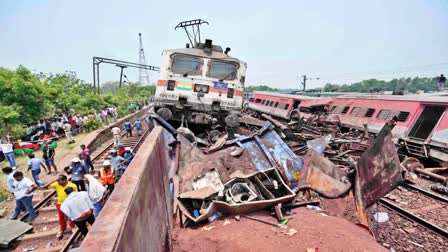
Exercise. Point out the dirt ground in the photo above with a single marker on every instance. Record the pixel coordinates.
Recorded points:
(314, 231)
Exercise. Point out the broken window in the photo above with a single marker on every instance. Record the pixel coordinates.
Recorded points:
(427, 121)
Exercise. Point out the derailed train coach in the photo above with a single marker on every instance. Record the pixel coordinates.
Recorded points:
(201, 84)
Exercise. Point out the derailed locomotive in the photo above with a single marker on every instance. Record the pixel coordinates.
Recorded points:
(200, 84)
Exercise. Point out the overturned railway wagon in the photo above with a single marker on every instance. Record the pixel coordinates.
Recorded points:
(422, 120)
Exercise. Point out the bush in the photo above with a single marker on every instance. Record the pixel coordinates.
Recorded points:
(90, 125)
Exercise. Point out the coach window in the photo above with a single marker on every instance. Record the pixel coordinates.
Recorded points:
(345, 110)
(403, 116)
(257, 100)
(369, 112)
(222, 70)
(271, 103)
(186, 65)
(383, 114)
(355, 111)
(276, 104)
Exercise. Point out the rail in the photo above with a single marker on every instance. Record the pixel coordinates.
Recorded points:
(74, 237)
(426, 192)
(412, 217)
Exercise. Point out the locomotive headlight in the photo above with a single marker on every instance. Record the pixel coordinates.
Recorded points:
(198, 88)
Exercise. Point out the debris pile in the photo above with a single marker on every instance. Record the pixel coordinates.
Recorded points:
(267, 164)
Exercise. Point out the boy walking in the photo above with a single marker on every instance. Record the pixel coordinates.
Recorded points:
(34, 165)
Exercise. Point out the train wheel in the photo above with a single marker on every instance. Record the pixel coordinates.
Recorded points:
(165, 113)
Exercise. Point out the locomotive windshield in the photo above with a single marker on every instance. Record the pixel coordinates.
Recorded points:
(222, 70)
(186, 64)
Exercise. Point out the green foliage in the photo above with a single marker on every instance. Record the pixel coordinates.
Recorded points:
(373, 85)
(4, 195)
(90, 125)
(260, 88)
(27, 97)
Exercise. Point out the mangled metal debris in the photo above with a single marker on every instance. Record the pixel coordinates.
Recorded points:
(272, 165)
(244, 194)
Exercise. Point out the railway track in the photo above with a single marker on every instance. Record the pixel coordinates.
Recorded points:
(418, 220)
(46, 225)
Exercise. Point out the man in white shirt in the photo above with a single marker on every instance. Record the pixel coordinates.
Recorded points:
(8, 151)
(68, 132)
(78, 208)
(9, 179)
(116, 132)
(23, 191)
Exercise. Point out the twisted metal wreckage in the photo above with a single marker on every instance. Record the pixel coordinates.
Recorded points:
(259, 169)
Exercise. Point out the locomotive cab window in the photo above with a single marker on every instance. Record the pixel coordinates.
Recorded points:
(186, 65)
(222, 70)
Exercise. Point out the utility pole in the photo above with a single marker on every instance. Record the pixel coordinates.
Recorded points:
(143, 73)
(121, 73)
(304, 79)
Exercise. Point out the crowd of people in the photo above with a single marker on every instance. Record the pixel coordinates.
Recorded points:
(80, 198)
(57, 126)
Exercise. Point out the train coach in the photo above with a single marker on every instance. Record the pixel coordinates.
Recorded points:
(284, 106)
(422, 120)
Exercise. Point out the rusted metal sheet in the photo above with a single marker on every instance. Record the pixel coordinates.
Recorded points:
(378, 171)
(324, 177)
(138, 214)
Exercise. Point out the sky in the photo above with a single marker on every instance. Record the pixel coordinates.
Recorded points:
(335, 41)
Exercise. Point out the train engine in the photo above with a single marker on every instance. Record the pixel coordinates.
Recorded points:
(201, 84)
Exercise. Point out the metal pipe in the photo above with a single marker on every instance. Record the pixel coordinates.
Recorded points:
(443, 179)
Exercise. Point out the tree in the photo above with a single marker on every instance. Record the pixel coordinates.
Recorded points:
(260, 88)
(373, 85)
(27, 97)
